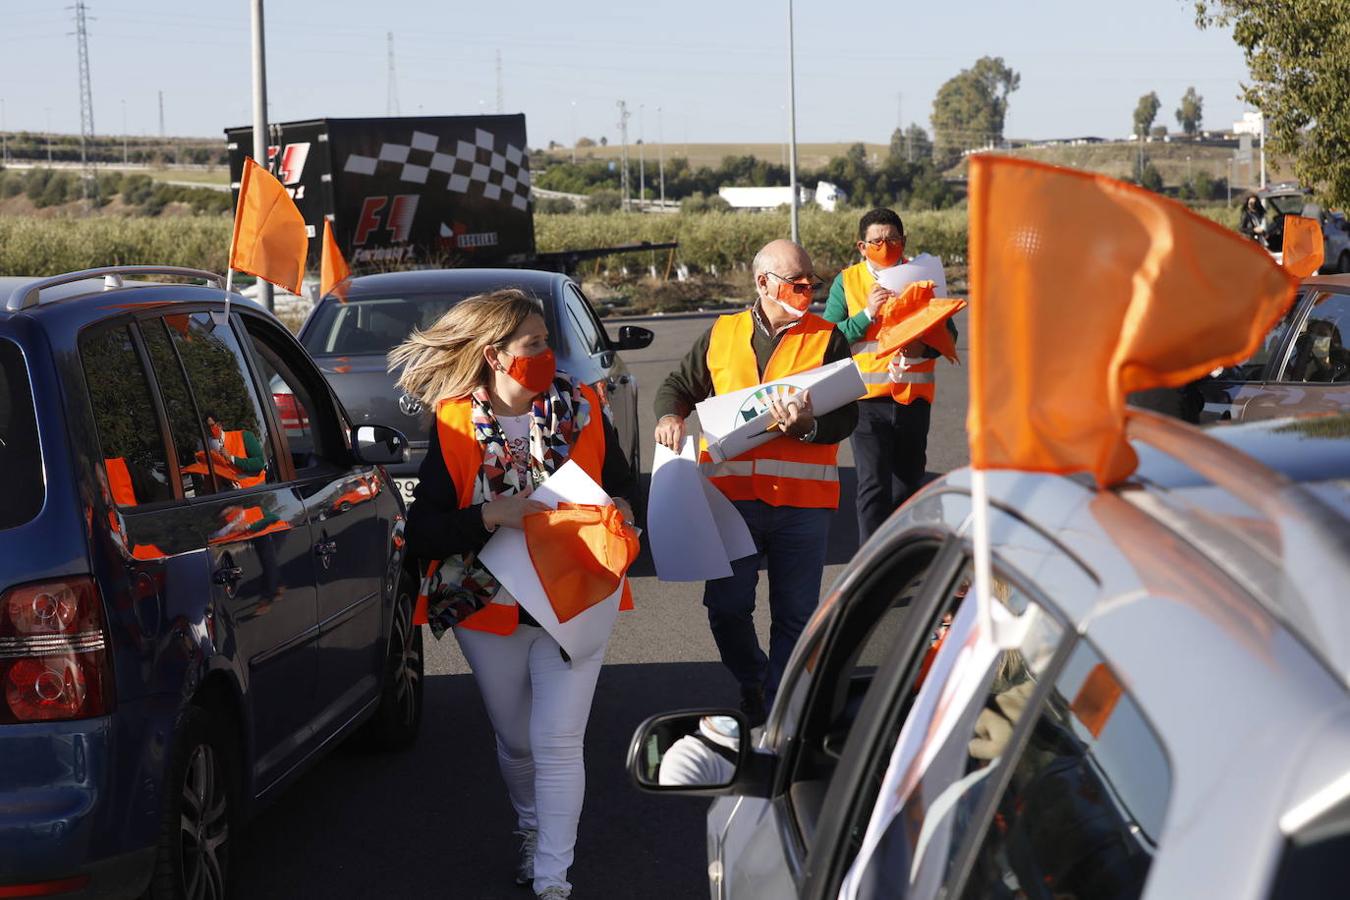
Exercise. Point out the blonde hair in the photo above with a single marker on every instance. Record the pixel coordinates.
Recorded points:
(446, 360)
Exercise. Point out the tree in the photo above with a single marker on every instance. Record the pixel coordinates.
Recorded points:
(1190, 112)
(1298, 53)
(911, 144)
(1159, 131)
(1151, 178)
(971, 107)
(1145, 111)
(604, 141)
(585, 142)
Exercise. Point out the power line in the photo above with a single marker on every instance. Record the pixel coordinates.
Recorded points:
(391, 99)
(623, 138)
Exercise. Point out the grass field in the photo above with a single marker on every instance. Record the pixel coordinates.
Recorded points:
(809, 156)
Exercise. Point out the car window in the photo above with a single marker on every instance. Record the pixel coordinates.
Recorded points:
(1319, 354)
(916, 843)
(373, 325)
(301, 416)
(1255, 365)
(237, 453)
(841, 676)
(20, 452)
(135, 467)
(1083, 811)
(584, 327)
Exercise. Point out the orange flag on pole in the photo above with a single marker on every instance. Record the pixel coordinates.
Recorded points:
(270, 240)
(1303, 251)
(1084, 289)
(333, 271)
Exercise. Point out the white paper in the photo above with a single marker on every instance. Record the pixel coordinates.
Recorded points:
(923, 267)
(506, 556)
(736, 422)
(685, 540)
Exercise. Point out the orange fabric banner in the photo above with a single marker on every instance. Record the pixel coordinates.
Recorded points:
(333, 271)
(580, 553)
(1084, 289)
(916, 315)
(1303, 250)
(269, 232)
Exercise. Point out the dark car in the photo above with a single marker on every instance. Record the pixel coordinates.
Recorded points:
(1303, 365)
(1169, 716)
(196, 600)
(350, 338)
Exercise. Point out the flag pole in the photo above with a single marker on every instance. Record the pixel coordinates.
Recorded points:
(979, 500)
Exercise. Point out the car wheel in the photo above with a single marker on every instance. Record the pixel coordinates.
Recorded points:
(398, 719)
(193, 856)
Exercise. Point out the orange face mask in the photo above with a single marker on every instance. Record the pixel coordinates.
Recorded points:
(534, 373)
(795, 296)
(887, 254)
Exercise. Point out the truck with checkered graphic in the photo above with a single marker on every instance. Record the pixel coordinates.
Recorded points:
(408, 192)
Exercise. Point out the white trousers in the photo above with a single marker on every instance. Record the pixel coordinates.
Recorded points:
(538, 705)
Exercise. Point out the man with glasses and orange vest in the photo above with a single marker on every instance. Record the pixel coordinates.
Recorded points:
(890, 445)
(786, 489)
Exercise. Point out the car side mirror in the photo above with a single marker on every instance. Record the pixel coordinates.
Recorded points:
(379, 445)
(695, 752)
(634, 337)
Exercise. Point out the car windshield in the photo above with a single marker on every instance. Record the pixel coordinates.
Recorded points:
(20, 453)
(373, 325)
(1288, 204)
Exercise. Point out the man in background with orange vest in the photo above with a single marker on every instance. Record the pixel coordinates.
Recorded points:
(786, 489)
(890, 445)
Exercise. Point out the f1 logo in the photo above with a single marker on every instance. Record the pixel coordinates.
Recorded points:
(292, 164)
(398, 221)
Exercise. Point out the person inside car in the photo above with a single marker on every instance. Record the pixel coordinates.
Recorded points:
(238, 454)
(705, 758)
(1319, 355)
(505, 420)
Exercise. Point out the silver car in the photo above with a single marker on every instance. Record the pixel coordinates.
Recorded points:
(1173, 723)
(350, 338)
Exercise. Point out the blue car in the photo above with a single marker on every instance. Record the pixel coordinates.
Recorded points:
(201, 581)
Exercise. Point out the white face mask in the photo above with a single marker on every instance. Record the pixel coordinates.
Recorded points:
(790, 310)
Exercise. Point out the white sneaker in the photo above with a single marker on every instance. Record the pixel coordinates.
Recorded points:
(553, 893)
(529, 840)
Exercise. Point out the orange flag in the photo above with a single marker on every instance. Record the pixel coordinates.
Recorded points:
(1084, 289)
(1303, 251)
(580, 553)
(333, 271)
(269, 233)
(916, 314)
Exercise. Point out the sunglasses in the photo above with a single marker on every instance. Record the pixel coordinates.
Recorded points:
(803, 285)
(890, 242)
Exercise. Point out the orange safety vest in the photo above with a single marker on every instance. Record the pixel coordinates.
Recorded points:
(463, 457)
(785, 471)
(903, 378)
(234, 446)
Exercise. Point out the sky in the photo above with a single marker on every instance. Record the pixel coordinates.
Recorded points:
(696, 71)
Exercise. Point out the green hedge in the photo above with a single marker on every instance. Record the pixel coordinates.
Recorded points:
(725, 241)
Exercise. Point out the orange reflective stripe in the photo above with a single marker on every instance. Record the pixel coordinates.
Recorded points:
(731, 362)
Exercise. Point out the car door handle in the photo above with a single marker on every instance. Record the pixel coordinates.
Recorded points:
(613, 383)
(325, 548)
(227, 575)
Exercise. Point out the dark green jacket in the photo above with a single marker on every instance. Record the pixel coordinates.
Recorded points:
(692, 381)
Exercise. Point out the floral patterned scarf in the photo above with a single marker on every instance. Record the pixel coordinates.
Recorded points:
(460, 586)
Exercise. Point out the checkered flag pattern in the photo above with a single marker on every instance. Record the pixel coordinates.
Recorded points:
(498, 169)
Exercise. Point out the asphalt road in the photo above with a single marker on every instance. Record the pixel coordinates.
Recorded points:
(434, 821)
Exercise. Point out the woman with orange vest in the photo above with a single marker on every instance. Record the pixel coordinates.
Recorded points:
(787, 489)
(505, 420)
(890, 445)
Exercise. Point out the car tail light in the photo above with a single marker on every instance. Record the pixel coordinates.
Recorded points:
(291, 413)
(53, 656)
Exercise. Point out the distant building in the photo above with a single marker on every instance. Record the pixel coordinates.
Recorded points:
(828, 196)
(761, 199)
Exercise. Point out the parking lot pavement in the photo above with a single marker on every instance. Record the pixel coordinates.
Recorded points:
(434, 822)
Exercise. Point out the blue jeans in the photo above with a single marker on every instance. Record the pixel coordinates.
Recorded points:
(793, 541)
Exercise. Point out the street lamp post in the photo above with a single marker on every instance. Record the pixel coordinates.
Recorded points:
(124, 133)
(260, 118)
(792, 123)
(48, 111)
(4, 138)
(574, 132)
(642, 156)
(661, 149)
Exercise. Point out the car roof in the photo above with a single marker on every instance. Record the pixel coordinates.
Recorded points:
(1338, 282)
(418, 281)
(73, 305)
